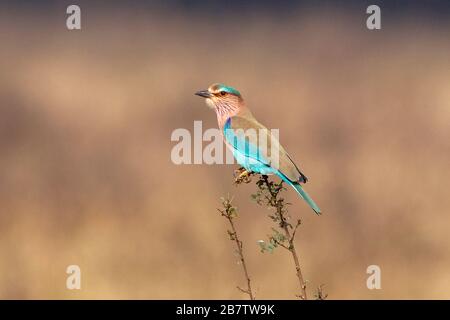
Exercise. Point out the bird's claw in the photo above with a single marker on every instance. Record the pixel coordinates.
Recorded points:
(241, 175)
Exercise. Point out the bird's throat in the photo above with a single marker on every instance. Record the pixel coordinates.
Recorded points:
(210, 104)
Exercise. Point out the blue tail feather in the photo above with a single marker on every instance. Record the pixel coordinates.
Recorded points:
(306, 197)
(303, 194)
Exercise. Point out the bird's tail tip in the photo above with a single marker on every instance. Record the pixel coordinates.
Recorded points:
(315, 208)
(307, 198)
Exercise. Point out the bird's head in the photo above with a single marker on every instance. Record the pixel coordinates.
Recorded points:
(222, 98)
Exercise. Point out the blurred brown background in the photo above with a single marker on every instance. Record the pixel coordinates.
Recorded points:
(86, 176)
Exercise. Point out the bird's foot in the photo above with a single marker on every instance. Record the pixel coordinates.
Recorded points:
(241, 175)
(238, 172)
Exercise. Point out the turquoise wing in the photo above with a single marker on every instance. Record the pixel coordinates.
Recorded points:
(244, 143)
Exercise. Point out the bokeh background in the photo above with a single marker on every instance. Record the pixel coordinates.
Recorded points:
(86, 176)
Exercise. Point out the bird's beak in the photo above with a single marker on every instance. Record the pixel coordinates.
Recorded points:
(204, 94)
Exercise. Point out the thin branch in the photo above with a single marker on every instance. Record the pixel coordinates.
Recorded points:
(230, 213)
(299, 222)
(281, 244)
(278, 205)
(320, 294)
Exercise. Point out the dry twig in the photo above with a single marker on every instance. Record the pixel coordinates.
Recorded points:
(230, 213)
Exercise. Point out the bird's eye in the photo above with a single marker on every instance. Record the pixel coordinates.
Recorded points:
(222, 93)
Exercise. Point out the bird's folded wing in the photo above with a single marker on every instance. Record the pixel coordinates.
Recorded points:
(252, 139)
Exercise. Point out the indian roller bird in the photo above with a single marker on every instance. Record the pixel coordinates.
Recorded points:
(234, 119)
